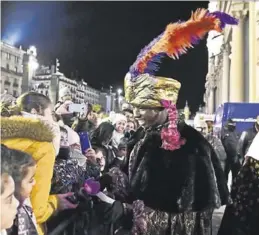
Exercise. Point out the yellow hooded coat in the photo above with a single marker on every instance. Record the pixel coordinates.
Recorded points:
(34, 137)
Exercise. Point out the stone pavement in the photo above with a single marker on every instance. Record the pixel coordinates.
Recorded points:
(218, 214)
(216, 220)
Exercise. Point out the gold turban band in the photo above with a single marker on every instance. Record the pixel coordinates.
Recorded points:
(147, 91)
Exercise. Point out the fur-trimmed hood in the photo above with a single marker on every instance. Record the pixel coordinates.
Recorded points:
(26, 127)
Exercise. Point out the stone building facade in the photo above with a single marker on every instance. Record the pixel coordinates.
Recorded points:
(17, 68)
(49, 82)
(11, 69)
(233, 67)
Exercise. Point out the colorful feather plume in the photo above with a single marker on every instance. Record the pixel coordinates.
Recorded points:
(178, 37)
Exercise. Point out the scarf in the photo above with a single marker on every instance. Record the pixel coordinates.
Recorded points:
(116, 138)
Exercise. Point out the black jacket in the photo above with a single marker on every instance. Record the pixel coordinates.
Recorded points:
(218, 148)
(180, 188)
(230, 140)
(188, 179)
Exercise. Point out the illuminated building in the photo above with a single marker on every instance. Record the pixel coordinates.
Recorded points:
(17, 68)
(11, 69)
(49, 82)
(233, 68)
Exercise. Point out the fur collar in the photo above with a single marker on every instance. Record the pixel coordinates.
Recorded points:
(25, 127)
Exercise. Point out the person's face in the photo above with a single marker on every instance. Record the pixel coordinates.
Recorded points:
(130, 126)
(9, 203)
(120, 126)
(64, 139)
(27, 183)
(100, 159)
(92, 117)
(122, 152)
(231, 127)
(146, 117)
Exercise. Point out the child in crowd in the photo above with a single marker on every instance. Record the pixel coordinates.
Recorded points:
(131, 126)
(8, 201)
(119, 122)
(30, 128)
(23, 168)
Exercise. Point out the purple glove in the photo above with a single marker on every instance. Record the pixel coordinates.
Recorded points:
(91, 186)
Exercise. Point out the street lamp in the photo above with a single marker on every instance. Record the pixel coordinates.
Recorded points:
(119, 91)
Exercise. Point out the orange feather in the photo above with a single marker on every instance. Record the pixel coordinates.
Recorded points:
(178, 37)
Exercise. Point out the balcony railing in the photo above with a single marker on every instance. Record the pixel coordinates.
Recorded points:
(11, 71)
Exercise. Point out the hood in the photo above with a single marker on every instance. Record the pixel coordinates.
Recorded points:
(25, 127)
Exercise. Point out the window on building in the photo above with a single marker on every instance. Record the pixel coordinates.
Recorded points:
(16, 83)
(16, 58)
(7, 67)
(16, 69)
(7, 82)
(8, 56)
(15, 94)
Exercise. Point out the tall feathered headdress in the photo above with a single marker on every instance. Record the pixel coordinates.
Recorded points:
(178, 37)
(143, 89)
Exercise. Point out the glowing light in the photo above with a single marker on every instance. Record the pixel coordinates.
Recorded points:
(119, 91)
(33, 64)
(12, 37)
(32, 50)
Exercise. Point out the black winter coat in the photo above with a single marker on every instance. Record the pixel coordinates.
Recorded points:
(180, 188)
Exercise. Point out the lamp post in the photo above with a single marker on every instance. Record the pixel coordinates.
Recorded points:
(119, 92)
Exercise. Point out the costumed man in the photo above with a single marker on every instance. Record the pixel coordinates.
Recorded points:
(173, 171)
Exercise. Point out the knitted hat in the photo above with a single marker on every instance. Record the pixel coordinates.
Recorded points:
(118, 118)
(65, 94)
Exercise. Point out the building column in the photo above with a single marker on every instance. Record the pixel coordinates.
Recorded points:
(257, 52)
(225, 75)
(252, 52)
(236, 83)
(211, 100)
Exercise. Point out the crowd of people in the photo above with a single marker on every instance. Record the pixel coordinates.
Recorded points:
(140, 171)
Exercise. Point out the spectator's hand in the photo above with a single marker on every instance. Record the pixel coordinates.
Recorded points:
(83, 115)
(63, 108)
(91, 155)
(64, 203)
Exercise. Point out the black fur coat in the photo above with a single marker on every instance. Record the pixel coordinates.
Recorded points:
(180, 185)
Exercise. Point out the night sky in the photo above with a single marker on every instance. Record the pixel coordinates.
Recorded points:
(100, 40)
